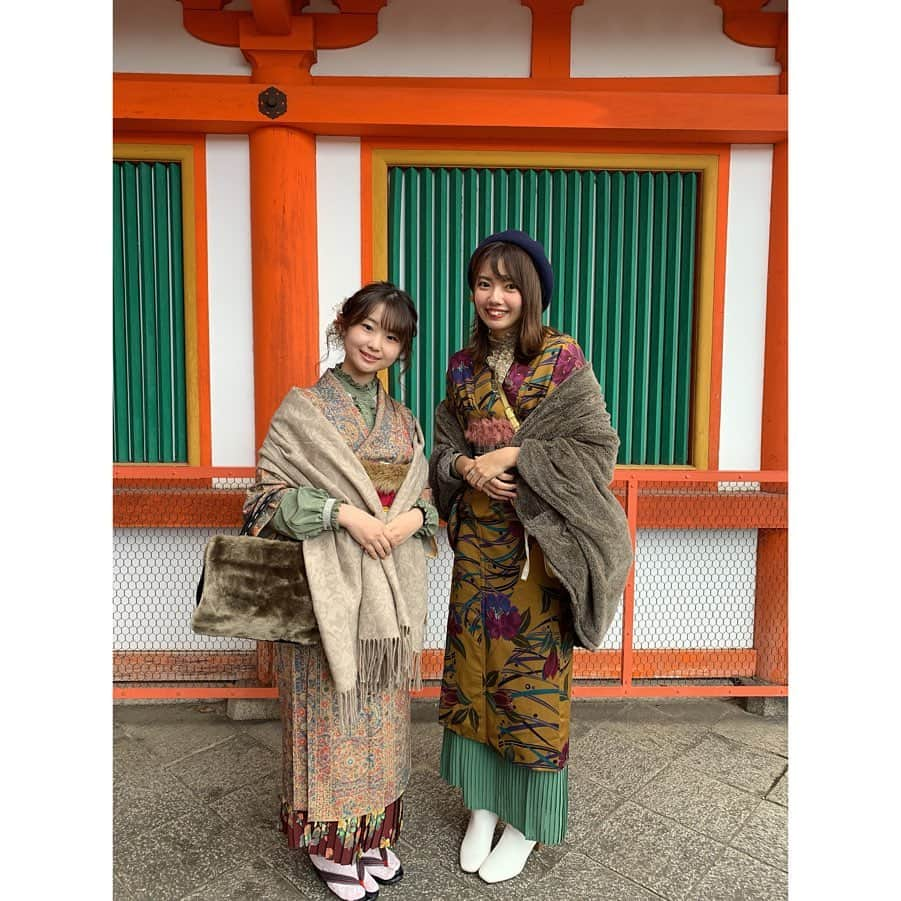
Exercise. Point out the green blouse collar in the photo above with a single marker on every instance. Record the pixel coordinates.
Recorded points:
(369, 389)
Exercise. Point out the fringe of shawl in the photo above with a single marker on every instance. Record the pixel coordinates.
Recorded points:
(383, 664)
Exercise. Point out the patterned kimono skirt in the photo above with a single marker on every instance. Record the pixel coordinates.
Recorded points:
(505, 698)
(341, 793)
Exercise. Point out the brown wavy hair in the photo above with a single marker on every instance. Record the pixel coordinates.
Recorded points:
(400, 316)
(520, 269)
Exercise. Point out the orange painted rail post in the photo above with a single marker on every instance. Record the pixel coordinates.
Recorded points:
(771, 603)
(629, 591)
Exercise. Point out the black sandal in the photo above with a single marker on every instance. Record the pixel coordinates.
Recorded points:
(382, 861)
(340, 879)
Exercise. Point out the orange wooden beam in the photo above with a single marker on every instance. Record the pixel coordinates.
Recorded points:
(681, 84)
(458, 112)
(177, 508)
(156, 505)
(174, 666)
(662, 663)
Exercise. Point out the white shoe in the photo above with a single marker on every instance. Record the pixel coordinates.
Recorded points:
(508, 857)
(476, 844)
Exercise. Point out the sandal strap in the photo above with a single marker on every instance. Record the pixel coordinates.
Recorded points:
(328, 876)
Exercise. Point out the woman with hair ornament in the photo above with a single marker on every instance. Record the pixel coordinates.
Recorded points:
(342, 470)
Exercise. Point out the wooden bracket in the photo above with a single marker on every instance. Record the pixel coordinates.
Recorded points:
(551, 36)
(277, 38)
(747, 22)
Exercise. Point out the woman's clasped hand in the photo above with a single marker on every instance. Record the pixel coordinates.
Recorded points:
(376, 537)
(490, 473)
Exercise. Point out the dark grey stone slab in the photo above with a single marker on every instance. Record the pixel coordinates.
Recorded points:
(614, 761)
(654, 851)
(254, 881)
(426, 745)
(131, 756)
(429, 802)
(173, 732)
(424, 710)
(779, 792)
(735, 764)
(599, 710)
(215, 772)
(179, 857)
(145, 797)
(763, 733)
(765, 835)
(267, 733)
(664, 735)
(697, 801)
(737, 877)
(166, 714)
(589, 805)
(578, 876)
(254, 810)
(705, 711)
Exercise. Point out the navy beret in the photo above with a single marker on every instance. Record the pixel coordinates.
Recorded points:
(533, 249)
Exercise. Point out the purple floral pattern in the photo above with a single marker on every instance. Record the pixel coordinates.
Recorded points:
(508, 657)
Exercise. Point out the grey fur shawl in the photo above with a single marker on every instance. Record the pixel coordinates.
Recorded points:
(568, 451)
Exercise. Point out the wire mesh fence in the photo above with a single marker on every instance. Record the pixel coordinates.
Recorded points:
(704, 612)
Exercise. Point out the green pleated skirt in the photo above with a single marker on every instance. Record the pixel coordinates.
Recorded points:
(534, 801)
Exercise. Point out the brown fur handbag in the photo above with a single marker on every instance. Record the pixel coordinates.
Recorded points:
(254, 588)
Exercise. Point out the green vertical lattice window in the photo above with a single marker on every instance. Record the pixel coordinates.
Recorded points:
(149, 384)
(623, 248)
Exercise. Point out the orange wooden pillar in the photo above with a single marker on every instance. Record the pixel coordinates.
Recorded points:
(285, 267)
(285, 281)
(771, 609)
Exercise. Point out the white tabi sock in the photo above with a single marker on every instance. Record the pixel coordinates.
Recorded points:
(349, 891)
(476, 844)
(508, 857)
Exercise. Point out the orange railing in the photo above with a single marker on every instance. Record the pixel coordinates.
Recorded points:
(704, 611)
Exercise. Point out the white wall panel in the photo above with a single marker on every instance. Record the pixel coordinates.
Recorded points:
(744, 324)
(148, 36)
(634, 38)
(338, 234)
(488, 38)
(231, 300)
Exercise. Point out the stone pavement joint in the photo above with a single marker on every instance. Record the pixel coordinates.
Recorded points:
(684, 802)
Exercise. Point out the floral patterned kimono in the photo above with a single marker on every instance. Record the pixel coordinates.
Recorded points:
(341, 792)
(505, 697)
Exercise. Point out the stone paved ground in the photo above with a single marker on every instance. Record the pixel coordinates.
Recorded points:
(675, 799)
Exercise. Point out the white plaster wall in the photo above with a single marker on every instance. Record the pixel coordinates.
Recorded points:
(338, 230)
(744, 323)
(634, 38)
(148, 36)
(487, 38)
(230, 300)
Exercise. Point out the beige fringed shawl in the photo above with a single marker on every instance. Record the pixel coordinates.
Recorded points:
(370, 613)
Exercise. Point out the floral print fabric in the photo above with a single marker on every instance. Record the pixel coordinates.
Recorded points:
(508, 655)
(341, 793)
